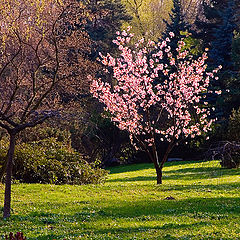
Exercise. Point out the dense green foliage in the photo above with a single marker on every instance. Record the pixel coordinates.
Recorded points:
(205, 205)
(106, 143)
(49, 161)
(109, 17)
(215, 28)
(176, 24)
(234, 126)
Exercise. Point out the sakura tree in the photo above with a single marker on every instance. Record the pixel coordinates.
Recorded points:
(152, 100)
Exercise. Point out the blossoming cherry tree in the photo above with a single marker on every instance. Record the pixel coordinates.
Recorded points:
(153, 100)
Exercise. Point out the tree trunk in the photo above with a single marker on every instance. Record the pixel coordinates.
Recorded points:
(7, 198)
(159, 166)
(159, 174)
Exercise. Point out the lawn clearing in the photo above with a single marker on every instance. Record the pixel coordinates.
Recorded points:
(198, 200)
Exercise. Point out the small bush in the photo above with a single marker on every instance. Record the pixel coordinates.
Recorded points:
(227, 152)
(41, 132)
(50, 161)
(231, 161)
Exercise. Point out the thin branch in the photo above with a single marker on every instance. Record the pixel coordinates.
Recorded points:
(10, 61)
(54, 80)
(33, 80)
(8, 120)
(34, 122)
(5, 126)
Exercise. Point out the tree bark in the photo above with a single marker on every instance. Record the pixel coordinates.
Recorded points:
(159, 174)
(7, 197)
(159, 166)
(156, 163)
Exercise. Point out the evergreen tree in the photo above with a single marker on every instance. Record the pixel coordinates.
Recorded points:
(208, 18)
(108, 17)
(179, 28)
(177, 25)
(233, 84)
(215, 23)
(221, 54)
(223, 33)
(215, 27)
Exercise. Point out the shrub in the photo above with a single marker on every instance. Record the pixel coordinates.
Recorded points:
(227, 152)
(231, 161)
(50, 161)
(45, 131)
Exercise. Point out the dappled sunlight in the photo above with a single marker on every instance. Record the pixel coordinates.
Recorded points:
(189, 172)
(196, 199)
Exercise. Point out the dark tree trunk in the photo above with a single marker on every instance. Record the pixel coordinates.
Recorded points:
(159, 174)
(7, 198)
(16, 128)
(159, 165)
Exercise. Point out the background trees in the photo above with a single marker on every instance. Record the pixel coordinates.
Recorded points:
(107, 18)
(148, 16)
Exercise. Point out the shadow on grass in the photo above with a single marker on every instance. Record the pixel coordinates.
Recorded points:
(197, 173)
(202, 211)
(47, 237)
(133, 179)
(167, 227)
(130, 168)
(198, 187)
(143, 166)
(93, 218)
(205, 169)
(197, 208)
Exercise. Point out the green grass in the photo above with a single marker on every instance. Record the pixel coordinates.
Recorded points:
(130, 205)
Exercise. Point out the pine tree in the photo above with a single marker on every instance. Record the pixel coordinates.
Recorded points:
(221, 45)
(221, 54)
(207, 20)
(177, 24)
(215, 27)
(179, 28)
(109, 16)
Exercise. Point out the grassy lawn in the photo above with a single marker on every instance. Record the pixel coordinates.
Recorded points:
(198, 200)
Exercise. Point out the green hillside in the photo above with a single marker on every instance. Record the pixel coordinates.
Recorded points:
(198, 200)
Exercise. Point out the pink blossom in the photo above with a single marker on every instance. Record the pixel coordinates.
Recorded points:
(136, 100)
(218, 92)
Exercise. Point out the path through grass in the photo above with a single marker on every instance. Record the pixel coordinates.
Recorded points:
(204, 204)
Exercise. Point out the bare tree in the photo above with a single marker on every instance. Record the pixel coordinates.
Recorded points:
(42, 58)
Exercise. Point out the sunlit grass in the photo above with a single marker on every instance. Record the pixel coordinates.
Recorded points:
(205, 205)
